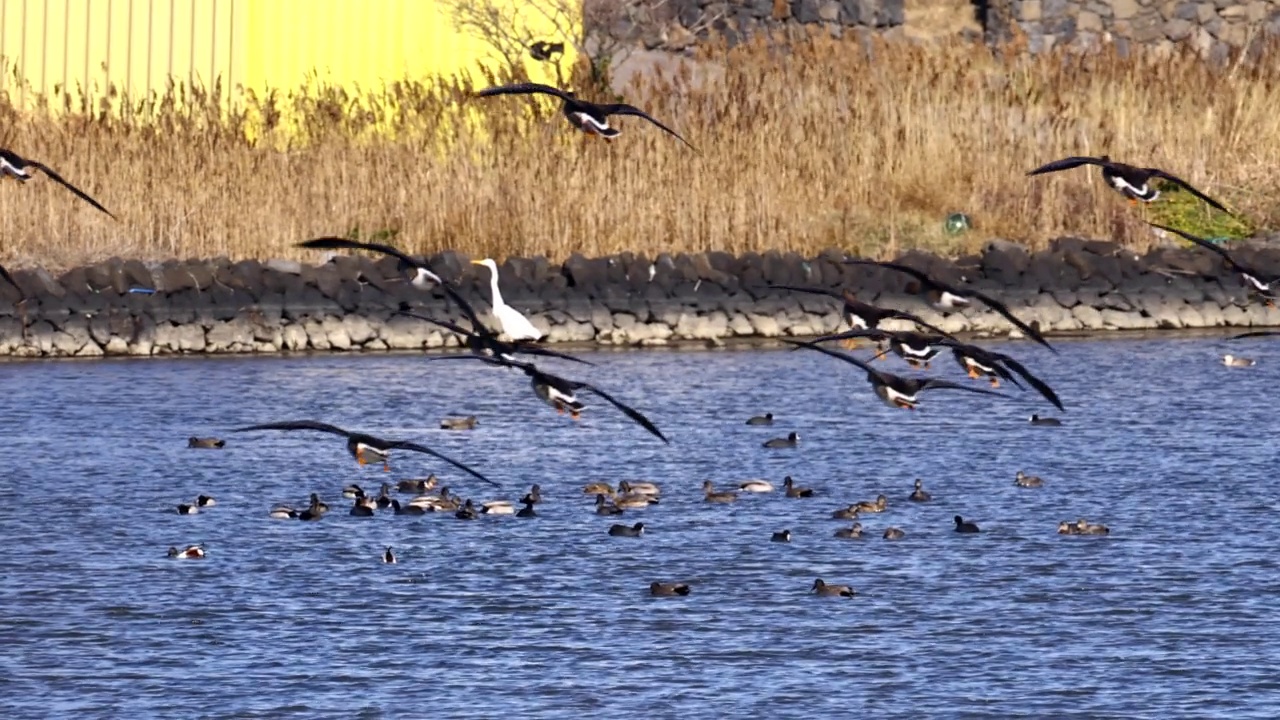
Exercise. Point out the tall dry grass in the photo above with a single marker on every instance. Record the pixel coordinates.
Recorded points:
(807, 146)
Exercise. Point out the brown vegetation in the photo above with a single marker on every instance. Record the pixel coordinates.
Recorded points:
(803, 147)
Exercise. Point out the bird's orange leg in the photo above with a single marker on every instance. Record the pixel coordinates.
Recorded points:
(360, 459)
(995, 382)
(973, 373)
(575, 414)
(850, 343)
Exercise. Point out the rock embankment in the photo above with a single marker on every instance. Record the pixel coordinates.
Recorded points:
(127, 307)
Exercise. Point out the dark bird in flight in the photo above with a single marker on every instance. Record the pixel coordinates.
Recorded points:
(861, 315)
(484, 341)
(15, 166)
(588, 117)
(1128, 180)
(1263, 284)
(366, 449)
(949, 297)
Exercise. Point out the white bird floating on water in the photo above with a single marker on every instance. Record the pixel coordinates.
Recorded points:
(516, 326)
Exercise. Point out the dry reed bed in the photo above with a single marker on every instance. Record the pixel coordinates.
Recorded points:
(819, 144)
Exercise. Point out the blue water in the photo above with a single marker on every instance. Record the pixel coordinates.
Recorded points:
(1174, 613)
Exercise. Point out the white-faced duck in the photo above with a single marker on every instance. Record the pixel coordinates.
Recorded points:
(825, 590)
(1044, 421)
(191, 552)
(765, 419)
(756, 486)
(880, 504)
(850, 533)
(1233, 361)
(795, 491)
(623, 531)
(661, 589)
(709, 494)
(1027, 481)
(919, 494)
(207, 443)
(388, 556)
(462, 423)
(791, 440)
(963, 526)
(607, 508)
(894, 533)
(783, 536)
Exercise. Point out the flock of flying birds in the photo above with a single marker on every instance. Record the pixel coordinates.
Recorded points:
(516, 336)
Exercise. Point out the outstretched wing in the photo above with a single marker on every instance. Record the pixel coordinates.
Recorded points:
(811, 291)
(920, 275)
(1067, 164)
(871, 372)
(77, 191)
(940, 384)
(624, 109)
(451, 327)
(7, 277)
(627, 410)
(1177, 180)
(525, 89)
(1221, 252)
(873, 333)
(1255, 333)
(297, 425)
(415, 447)
(1004, 310)
(1041, 386)
(528, 348)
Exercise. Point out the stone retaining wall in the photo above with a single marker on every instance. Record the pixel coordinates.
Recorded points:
(346, 304)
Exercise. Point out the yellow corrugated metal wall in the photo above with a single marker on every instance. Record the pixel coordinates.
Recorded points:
(137, 45)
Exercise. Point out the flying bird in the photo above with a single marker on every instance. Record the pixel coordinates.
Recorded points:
(486, 342)
(860, 315)
(513, 323)
(14, 166)
(980, 362)
(1128, 180)
(895, 390)
(366, 449)
(949, 297)
(562, 393)
(916, 348)
(588, 117)
(1264, 284)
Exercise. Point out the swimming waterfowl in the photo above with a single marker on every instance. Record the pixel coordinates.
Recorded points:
(467, 511)
(781, 536)
(894, 533)
(662, 589)
(765, 419)
(1067, 528)
(634, 501)
(598, 488)
(879, 505)
(644, 488)
(365, 448)
(1259, 283)
(862, 316)
(444, 502)
(846, 513)
(623, 531)
(794, 491)
(383, 501)
(14, 166)
(526, 511)
(965, 527)
(606, 508)
(315, 510)
(389, 557)
(516, 326)
(362, 507)
(409, 509)
(205, 501)
(1233, 361)
(497, 507)
(190, 552)
(534, 496)
(1047, 421)
(1087, 528)
(588, 117)
(562, 393)
(850, 533)
(756, 486)
(791, 440)
(895, 390)
(1027, 481)
(283, 512)
(352, 491)
(825, 590)
(949, 297)
(187, 509)
(417, 485)
(208, 443)
(467, 423)
(483, 341)
(919, 494)
(1130, 181)
(710, 495)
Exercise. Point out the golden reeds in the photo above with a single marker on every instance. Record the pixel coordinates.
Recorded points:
(815, 144)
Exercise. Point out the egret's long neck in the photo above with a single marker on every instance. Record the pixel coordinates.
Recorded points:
(493, 286)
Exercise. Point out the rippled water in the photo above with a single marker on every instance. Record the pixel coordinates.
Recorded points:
(1172, 614)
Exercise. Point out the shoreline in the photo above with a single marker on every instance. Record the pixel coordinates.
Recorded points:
(123, 308)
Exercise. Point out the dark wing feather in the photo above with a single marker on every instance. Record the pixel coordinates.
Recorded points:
(525, 89)
(7, 277)
(77, 191)
(1175, 179)
(530, 349)
(415, 447)
(458, 329)
(624, 109)
(873, 333)
(811, 291)
(627, 410)
(1067, 164)
(961, 351)
(871, 372)
(920, 275)
(1255, 333)
(1221, 252)
(1035, 382)
(1004, 310)
(939, 384)
(903, 315)
(297, 425)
